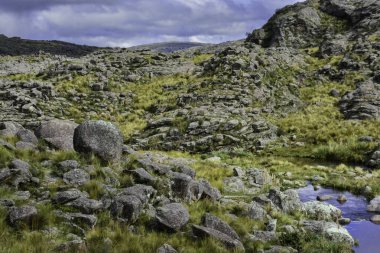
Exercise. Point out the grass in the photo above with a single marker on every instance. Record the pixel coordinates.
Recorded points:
(310, 243)
(198, 59)
(94, 189)
(337, 176)
(374, 37)
(213, 172)
(5, 156)
(320, 126)
(24, 241)
(149, 95)
(352, 151)
(147, 239)
(78, 83)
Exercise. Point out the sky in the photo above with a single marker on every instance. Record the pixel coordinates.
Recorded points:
(124, 23)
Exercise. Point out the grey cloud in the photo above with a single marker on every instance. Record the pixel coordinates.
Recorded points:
(31, 5)
(127, 22)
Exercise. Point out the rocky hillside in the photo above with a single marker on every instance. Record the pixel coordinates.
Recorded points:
(199, 150)
(169, 47)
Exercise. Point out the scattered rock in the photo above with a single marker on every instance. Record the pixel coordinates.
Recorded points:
(374, 205)
(331, 230)
(376, 219)
(173, 216)
(229, 242)
(263, 236)
(9, 129)
(166, 248)
(256, 211)
(186, 187)
(209, 191)
(344, 221)
(287, 201)
(126, 207)
(142, 176)
(58, 133)
(27, 136)
(76, 177)
(322, 211)
(216, 223)
(86, 205)
(324, 197)
(64, 197)
(21, 215)
(68, 165)
(342, 198)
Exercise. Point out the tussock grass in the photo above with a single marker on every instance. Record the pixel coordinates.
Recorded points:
(202, 58)
(78, 83)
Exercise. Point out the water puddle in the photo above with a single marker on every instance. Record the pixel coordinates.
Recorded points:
(355, 208)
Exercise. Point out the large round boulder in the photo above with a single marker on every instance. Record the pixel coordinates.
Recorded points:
(99, 137)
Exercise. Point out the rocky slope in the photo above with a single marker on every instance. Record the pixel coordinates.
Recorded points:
(127, 150)
(169, 47)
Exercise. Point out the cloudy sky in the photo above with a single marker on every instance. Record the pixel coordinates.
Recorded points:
(134, 22)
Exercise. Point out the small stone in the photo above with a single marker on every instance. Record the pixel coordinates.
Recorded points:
(68, 165)
(324, 197)
(374, 205)
(342, 198)
(272, 225)
(76, 177)
(334, 93)
(166, 248)
(376, 219)
(238, 172)
(344, 221)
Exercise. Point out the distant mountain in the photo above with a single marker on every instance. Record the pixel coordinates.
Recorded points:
(168, 47)
(17, 46)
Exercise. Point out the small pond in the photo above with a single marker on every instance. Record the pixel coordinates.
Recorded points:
(366, 232)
